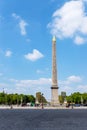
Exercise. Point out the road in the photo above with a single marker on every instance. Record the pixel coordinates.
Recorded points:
(30, 119)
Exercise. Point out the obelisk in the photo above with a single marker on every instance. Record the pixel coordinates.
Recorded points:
(54, 88)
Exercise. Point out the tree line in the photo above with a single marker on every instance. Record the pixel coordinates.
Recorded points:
(77, 98)
(18, 99)
(21, 99)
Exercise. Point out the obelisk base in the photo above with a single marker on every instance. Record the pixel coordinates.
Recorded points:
(55, 98)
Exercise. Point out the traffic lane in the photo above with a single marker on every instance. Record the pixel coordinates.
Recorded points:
(43, 119)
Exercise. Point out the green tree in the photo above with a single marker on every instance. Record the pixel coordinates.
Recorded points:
(40, 97)
(61, 99)
(84, 97)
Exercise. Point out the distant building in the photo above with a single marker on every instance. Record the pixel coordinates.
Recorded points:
(63, 94)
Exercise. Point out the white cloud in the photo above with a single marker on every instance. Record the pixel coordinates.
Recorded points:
(74, 78)
(69, 20)
(70, 85)
(35, 55)
(30, 83)
(82, 88)
(15, 16)
(3, 85)
(79, 40)
(67, 89)
(22, 24)
(8, 53)
(13, 80)
(70, 80)
(29, 86)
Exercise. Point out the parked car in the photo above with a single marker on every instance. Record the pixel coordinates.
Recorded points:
(24, 104)
(84, 104)
(68, 105)
(77, 105)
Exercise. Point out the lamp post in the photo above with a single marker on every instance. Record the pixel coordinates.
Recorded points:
(6, 98)
(42, 100)
(71, 101)
(81, 100)
(21, 101)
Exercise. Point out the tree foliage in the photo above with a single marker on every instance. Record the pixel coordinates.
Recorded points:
(9, 99)
(61, 99)
(77, 98)
(40, 97)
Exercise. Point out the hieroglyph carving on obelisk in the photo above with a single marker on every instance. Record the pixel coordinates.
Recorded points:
(54, 88)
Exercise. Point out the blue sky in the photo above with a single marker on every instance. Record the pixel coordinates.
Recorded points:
(26, 30)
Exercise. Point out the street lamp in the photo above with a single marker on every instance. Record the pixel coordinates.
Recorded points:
(42, 100)
(21, 101)
(72, 101)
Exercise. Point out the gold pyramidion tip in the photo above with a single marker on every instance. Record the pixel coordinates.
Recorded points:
(54, 39)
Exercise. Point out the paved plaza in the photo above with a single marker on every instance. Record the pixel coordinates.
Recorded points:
(38, 119)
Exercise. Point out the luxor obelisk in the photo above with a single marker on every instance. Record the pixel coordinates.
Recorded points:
(54, 88)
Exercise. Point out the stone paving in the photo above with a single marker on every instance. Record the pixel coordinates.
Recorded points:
(43, 119)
